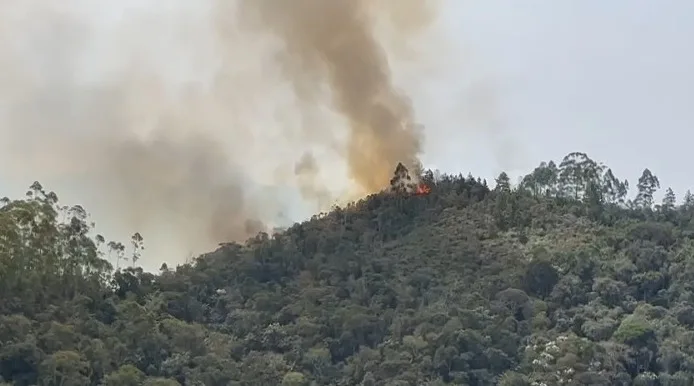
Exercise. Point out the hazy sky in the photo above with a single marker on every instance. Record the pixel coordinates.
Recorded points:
(612, 79)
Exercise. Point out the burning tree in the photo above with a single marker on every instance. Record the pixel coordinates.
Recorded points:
(403, 183)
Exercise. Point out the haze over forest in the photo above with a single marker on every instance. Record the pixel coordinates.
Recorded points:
(206, 123)
(565, 257)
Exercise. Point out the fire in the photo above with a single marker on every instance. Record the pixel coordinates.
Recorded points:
(403, 183)
(422, 189)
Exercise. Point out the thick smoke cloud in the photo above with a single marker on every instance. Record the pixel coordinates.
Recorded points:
(333, 42)
(196, 122)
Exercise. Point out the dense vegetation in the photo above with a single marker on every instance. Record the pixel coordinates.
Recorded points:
(560, 280)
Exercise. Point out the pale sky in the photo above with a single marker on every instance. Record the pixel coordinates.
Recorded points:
(612, 79)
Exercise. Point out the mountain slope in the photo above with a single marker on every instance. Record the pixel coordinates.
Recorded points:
(559, 280)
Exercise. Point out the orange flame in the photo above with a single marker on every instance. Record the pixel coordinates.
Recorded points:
(422, 189)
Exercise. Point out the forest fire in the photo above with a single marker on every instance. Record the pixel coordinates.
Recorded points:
(402, 183)
(422, 189)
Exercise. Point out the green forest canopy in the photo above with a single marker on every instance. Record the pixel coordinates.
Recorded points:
(560, 280)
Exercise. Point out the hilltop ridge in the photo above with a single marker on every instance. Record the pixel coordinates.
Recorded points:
(560, 280)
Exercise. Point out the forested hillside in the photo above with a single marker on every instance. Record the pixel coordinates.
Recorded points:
(570, 277)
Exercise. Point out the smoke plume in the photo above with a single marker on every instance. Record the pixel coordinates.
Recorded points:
(193, 120)
(333, 42)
